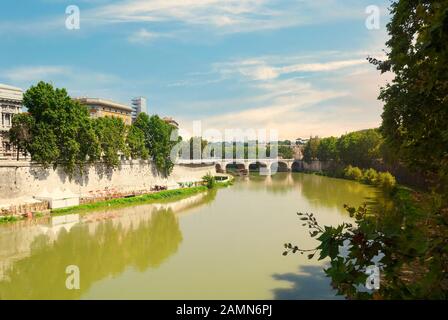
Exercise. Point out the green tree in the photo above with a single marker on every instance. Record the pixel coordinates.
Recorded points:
(111, 133)
(311, 148)
(415, 117)
(158, 141)
(44, 145)
(209, 180)
(161, 144)
(20, 133)
(360, 148)
(90, 147)
(136, 143)
(60, 127)
(285, 152)
(327, 149)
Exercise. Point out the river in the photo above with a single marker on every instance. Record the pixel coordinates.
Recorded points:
(224, 244)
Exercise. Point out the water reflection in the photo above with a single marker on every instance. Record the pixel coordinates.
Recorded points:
(319, 190)
(33, 259)
(310, 283)
(105, 250)
(223, 244)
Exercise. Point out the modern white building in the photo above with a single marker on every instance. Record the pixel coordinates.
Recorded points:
(139, 105)
(10, 105)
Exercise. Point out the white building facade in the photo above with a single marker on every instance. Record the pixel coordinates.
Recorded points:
(10, 105)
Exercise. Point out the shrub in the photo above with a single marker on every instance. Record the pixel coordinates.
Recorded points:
(386, 181)
(209, 180)
(353, 173)
(370, 176)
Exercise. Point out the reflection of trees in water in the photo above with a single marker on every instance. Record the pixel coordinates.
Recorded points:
(106, 252)
(320, 190)
(280, 183)
(331, 193)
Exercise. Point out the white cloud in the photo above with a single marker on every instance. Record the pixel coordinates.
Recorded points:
(339, 96)
(78, 81)
(218, 16)
(229, 16)
(34, 73)
(266, 69)
(143, 36)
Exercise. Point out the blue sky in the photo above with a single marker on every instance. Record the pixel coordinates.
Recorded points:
(297, 66)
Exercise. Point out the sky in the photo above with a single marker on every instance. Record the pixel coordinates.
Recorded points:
(295, 66)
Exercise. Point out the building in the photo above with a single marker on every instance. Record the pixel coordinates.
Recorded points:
(105, 108)
(301, 141)
(138, 106)
(171, 121)
(10, 105)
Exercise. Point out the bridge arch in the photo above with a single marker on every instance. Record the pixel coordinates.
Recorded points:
(219, 168)
(280, 166)
(297, 166)
(256, 166)
(236, 166)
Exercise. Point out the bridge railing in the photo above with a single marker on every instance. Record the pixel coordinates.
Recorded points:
(217, 160)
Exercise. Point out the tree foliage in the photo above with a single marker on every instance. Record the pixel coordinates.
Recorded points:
(360, 148)
(20, 133)
(406, 240)
(285, 151)
(311, 149)
(327, 149)
(111, 134)
(58, 131)
(60, 125)
(415, 117)
(136, 142)
(158, 140)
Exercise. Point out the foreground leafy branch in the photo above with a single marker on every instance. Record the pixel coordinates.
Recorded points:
(407, 239)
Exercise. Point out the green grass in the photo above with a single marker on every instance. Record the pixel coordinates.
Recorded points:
(170, 195)
(9, 219)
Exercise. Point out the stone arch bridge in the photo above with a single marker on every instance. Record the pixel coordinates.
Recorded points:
(266, 166)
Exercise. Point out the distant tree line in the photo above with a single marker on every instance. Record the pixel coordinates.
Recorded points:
(58, 131)
(358, 148)
(200, 148)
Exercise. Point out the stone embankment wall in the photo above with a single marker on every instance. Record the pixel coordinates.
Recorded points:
(21, 181)
(314, 165)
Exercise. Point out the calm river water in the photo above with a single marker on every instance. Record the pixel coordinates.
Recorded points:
(225, 244)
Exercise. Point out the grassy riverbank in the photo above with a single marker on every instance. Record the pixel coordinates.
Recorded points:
(162, 196)
(166, 195)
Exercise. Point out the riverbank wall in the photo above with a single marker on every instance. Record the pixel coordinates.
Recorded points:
(312, 166)
(21, 182)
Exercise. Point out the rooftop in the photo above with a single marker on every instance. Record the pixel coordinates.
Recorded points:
(104, 102)
(171, 121)
(10, 92)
